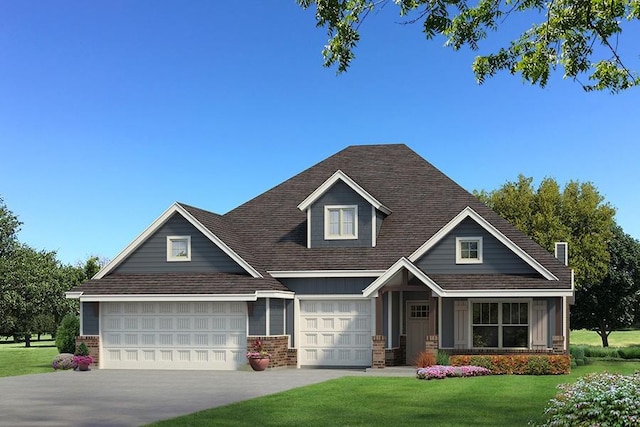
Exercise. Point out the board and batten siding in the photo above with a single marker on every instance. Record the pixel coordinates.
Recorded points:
(340, 194)
(496, 257)
(327, 285)
(151, 256)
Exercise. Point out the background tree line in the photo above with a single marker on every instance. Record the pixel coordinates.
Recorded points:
(33, 284)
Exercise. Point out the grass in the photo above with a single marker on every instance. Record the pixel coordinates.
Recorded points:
(616, 339)
(509, 400)
(15, 359)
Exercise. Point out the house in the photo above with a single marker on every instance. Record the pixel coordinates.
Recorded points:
(365, 259)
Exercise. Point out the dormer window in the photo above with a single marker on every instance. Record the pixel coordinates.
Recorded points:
(468, 250)
(341, 222)
(178, 248)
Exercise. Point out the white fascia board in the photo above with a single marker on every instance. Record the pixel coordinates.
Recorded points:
(72, 295)
(331, 297)
(159, 222)
(339, 175)
(168, 297)
(275, 294)
(470, 213)
(376, 285)
(290, 274)
(508, 293)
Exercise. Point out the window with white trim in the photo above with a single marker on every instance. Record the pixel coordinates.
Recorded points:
(341, 222)
(178, 248)
(500, 325)
(468, 250)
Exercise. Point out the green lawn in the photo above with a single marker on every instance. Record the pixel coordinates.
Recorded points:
(15, 359)
(508, 400)
(616, 339)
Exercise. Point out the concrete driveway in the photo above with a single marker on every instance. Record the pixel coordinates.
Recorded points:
(132, 398)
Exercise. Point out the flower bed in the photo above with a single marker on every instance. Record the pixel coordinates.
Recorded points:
(525, 364)
(441, 372)
(63, 361)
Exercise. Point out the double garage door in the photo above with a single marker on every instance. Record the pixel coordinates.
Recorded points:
(335, 333)
(174, 335)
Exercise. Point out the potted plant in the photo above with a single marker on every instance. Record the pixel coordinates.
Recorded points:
(258, 356)
(82, 359)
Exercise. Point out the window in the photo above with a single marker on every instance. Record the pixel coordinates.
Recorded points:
(341, 222)
(178, 248)
(419, 311)
(501, 325)
(468, 250)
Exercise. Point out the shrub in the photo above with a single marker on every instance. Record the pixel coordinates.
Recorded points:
(442, 358)
(523, 364)
(578, 354)
(629, 352)
(82, 350)
(63, 361)
(66, 334)
(596, 399)
(425, 359)
(441, 372)
(593, 351)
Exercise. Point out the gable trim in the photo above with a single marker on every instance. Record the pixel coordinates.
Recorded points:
(380, 282)
(180, 297)
(339, 175)
(159, 222)
(470, 213)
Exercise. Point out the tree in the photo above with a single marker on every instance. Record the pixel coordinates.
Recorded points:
(9, 227)
(581, 36)
(577, 215)
(611, 303)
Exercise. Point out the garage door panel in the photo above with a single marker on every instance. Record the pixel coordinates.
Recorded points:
(335, 333)
(179, 335)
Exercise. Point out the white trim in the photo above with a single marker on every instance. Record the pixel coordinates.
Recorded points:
(500, 325)
(506, 293)
(72, 295)
(331, 297)
(339, 175)
(470, 213)
(186, 297)
(82, 317)
(373, 227)
(440, 319)
(389, 318)
(309, 229)
(159, 222)
(170, 256)
(288, 274)
(459, 259)
(275, 294)
(296, 327)
(267, 326)
(327, 222)
(376, 285)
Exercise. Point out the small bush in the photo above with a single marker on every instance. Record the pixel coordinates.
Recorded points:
(596, 400)
(425, 359)
(524, 364)
(66, 334)
(63, 361)
(629, 352)
(593, 351)
(578, 354)
(442, 358)
(82, 350)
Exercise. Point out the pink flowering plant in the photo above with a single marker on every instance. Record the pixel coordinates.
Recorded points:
(82, 360)
(258, 351)
(441, 372)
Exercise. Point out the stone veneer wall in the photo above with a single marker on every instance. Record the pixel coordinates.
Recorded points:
(93, 343)
(278, 347)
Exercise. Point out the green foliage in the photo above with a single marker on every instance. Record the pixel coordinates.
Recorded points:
(581, 37)
(577, 354)
(597, 399)
(9, 227)
(82, 350)
(521, 364)
(67, 332)
(442, 358)
(629, 352)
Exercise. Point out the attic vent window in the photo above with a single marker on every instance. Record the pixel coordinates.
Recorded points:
(468, 250)
(341, 222)
(178, 248)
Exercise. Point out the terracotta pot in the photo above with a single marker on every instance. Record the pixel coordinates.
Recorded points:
(259, 364)
(83, 367)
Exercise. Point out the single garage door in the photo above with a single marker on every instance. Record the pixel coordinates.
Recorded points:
(335, 333)
(173, 335)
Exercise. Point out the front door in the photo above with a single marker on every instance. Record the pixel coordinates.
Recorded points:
(417, 328)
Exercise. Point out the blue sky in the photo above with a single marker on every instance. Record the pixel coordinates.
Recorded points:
(112, 110)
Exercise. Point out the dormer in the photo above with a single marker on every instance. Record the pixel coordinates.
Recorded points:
(340, 213)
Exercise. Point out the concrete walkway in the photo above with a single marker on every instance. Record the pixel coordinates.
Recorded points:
(133, 398)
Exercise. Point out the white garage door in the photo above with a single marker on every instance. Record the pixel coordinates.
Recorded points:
(335, 333)
(173, 335)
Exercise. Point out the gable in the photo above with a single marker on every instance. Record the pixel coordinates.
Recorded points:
(340, 194)
(497, 257)
(151, 255)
